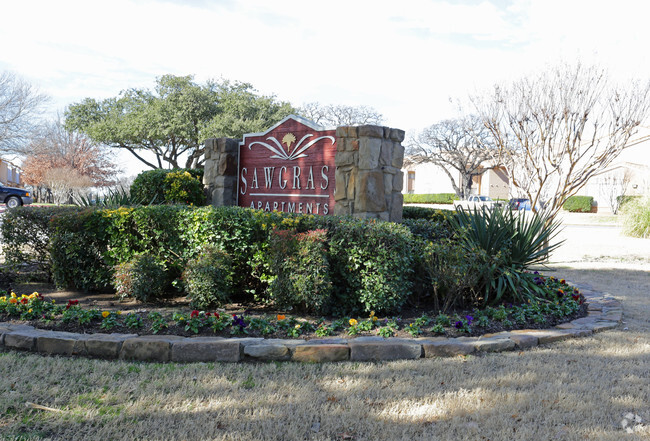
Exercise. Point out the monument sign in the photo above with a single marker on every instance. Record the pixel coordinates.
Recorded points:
(288, 168)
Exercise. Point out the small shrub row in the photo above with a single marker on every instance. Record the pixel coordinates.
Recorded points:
(313, 264)
(579, 204)
(434, 198)
(353, 265)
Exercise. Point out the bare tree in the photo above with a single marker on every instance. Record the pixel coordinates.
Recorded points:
(556, 130)
(613, 187)
(463, 145)
(65, 182)
(20, 108)
(61, 149)
(340, 115)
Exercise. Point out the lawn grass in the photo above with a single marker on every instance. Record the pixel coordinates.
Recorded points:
(575, 389)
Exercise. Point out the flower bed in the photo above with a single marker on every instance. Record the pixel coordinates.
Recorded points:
(36, 310)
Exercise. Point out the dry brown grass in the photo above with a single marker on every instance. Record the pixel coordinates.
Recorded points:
(572, 390)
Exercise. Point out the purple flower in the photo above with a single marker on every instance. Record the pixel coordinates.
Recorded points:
(238, 321)
(458, 324)
(469, 319)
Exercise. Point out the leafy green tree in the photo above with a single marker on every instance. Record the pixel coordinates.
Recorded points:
(174, 119)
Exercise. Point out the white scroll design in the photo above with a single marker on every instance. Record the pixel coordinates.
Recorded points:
(298, 150)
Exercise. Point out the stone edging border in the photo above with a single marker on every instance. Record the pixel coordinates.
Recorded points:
(604, 312)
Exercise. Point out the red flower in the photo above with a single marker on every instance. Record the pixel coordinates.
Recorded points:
(71, 303)
(194, 313)
(24, 300)
(216, 315)
(207, 314)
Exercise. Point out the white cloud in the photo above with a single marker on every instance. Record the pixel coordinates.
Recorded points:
(404, 58)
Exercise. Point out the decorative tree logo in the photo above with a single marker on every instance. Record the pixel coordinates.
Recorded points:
(288, 139)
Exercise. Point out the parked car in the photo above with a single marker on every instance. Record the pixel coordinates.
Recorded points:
(519, 204)
(14, 197)
(522, 204)
(474, 202)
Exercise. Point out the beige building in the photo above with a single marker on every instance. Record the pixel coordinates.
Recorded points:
(10, 174)
(431, 178)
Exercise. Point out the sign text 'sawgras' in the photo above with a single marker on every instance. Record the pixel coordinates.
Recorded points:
(289, 168)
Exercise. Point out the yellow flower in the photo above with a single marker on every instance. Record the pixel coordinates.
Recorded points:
(13, 295)
(353, 322)
(372, 313)
(374, 318)
(30, 310)
(297, 326)
(105, 314)
(119, 312)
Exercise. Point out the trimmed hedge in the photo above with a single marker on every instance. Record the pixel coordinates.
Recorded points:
(579, 204)
(25, 234)
(320, 264)
(370, 263)
(432, 198)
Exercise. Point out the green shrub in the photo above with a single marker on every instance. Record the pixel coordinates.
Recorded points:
(435, 198)
(207, 278)
(454, 274)
(153, 186)
(142, 278)
(636, 217)
(78, 250)
(579, 204)
(183, 188)
(372, 264)
(428, 230)
(432, 214)
(25, 234)
(301, 268)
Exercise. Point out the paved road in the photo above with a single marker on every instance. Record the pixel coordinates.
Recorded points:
(599, 243)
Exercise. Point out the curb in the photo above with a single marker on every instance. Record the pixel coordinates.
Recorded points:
(604, 312)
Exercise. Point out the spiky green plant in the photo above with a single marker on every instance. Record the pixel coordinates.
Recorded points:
(118, 197)
(511, 243)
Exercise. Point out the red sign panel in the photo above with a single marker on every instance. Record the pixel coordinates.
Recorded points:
(289, 168)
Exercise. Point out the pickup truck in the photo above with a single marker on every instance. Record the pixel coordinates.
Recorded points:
(473, 202)
(14, 197)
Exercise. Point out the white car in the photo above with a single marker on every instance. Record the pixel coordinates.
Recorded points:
(473, 202)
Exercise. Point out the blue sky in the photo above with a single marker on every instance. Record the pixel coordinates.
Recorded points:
(405, 58)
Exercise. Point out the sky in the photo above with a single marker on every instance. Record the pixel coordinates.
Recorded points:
(411, 60)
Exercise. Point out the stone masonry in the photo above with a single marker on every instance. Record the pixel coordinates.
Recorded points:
(368, 172)
(220, 171)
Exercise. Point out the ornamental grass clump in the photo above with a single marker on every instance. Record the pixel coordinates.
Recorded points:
(207, 278)
(636, 217)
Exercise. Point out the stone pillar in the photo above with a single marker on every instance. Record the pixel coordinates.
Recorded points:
(369, 178)
(220, 171)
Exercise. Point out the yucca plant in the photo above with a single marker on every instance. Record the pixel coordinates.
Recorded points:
(118, 197)
(512, 243)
